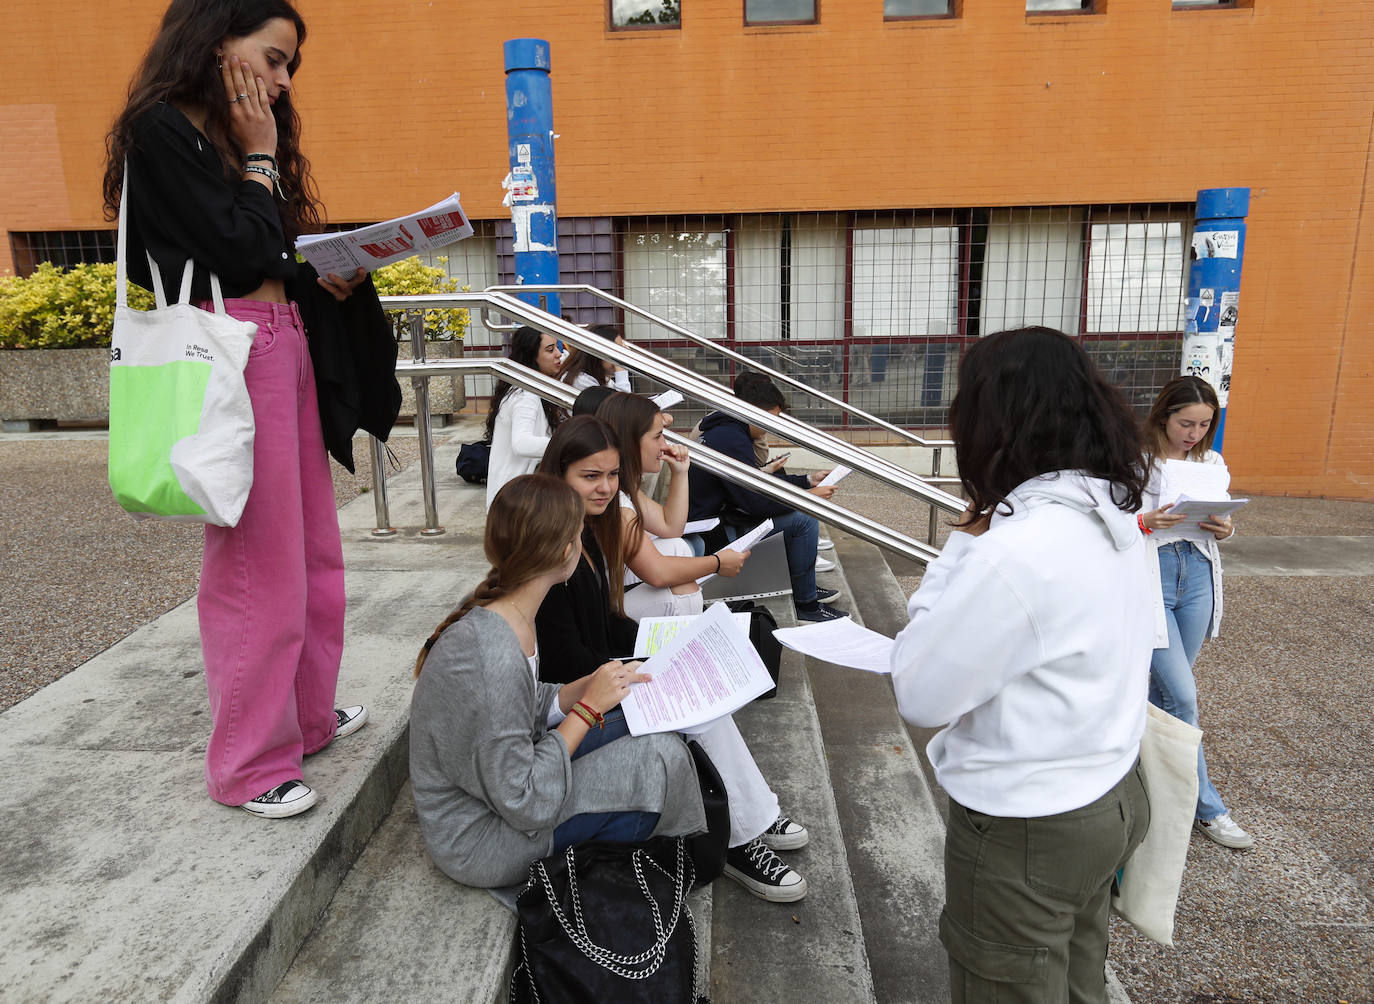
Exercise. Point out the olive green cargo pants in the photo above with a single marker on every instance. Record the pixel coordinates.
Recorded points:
(1027, 900)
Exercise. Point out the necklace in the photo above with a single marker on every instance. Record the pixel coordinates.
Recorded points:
(516, 607)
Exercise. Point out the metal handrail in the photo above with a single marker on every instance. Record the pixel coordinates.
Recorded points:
(678, 377)
(703, 456)
(703, 341)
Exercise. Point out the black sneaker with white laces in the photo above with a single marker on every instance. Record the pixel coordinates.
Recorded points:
(350, 720)
(290, 798)
(767, 876)
(785, 835)
(826, 594)
(820, 612)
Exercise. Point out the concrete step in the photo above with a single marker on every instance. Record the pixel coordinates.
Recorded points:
(121, 880)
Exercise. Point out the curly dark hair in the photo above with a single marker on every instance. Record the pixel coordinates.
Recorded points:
(1031, 401)
(180, 67)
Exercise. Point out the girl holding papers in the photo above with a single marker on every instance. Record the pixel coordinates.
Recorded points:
(583, 620)
(662, 569)
(206, 168)
(1180, 427)
(506, 769)
(1030, 640)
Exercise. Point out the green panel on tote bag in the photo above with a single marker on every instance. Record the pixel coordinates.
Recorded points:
(152, 408)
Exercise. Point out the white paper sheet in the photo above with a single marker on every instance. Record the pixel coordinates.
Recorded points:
(1190, 479)
(708, 670)
(835, 476)
(1196, 511)
(381, 244)
(842, 642)
(655, 632)
(667, 399)
(701, 525)
(744, 543)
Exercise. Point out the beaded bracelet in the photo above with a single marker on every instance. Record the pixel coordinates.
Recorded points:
(590, 715)
(269, 174)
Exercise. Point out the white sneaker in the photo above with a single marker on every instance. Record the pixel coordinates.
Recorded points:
(1224, 831)
(824, 565)
(350, 720)
(825, 545)
(290, 798)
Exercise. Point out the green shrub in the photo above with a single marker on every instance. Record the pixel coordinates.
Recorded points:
(412, 277)
(56, 309)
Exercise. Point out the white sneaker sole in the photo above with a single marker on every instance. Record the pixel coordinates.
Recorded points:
(772, 893)
(786, 841)
(281, 810)
(823, 566)
(825, 545)
(354, 724)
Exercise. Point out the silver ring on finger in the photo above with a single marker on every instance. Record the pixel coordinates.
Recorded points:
(242, 97)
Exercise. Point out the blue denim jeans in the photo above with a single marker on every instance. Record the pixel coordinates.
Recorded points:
(618, 827)
(1187, 580)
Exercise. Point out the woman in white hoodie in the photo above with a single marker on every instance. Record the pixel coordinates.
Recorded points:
(1030, 639)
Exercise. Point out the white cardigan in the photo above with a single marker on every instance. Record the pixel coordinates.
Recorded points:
(518, 440)
(1032, 642)
(1209, 549)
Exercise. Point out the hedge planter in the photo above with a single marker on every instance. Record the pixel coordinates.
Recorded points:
(40, 386)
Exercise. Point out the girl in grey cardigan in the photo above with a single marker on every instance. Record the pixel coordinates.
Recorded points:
(507, 770)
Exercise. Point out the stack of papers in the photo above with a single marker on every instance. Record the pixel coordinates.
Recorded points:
(744, 543)
(383, 243)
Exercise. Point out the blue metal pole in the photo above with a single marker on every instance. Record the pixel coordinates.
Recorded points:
(1213, 304)
(531, 194)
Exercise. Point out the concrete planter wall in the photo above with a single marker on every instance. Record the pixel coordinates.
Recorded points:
(49, 385)
(446, 396)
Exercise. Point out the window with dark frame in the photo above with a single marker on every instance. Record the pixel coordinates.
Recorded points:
(898, 10)
(64, 248)
(1203, 4)
(780, 11)
(642, 14)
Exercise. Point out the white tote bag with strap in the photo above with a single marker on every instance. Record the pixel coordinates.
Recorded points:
(181, 422)
(1154, 874)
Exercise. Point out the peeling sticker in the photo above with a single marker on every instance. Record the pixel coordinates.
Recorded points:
(1215, 244)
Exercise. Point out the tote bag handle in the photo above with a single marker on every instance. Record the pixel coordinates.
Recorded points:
(122, 273)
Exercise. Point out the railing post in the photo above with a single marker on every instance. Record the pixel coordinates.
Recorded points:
(379, 503)
(422, 427)
(934, 473)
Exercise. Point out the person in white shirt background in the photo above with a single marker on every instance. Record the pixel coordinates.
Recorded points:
(1030, 639)
(1181, 426)
(520, 423)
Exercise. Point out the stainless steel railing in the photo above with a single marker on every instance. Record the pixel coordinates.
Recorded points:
(673, 375)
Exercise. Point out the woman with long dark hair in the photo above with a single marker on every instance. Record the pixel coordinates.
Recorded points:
(583, 620)
(661, 568)
(1181, 426)
(585, 370)
(519, 423)
(215, 175)
(507, 769)
(1030, 640)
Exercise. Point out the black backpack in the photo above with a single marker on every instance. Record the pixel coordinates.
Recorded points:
(473, 461)
(762, 624)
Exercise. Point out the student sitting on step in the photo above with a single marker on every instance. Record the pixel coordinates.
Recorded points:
(520, 423)
(661, 569)
(712, 495)
(584, 621)
(507, 769)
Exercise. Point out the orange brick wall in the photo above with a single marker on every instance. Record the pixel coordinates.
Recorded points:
(404, 102)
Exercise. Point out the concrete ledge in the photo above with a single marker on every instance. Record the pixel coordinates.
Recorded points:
(122, 880)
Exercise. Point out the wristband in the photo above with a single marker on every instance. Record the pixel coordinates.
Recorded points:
(717, 557)
(590, 715)
(265, 158)
(1140, 522)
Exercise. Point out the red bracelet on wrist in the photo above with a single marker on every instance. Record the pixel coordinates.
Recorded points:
(1140, 522)
(590, 715)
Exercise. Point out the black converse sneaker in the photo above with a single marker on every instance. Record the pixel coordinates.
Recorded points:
(767, 876)
(289, 798)
(785, 835)
(350, 720)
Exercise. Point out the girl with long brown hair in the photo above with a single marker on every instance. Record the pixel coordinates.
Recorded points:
(1181, 426)
(205, 163)
(507, 769)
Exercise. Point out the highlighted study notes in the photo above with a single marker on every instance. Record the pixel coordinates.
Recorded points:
(655, 632)
(381, 244)
(744, 543)
(842, 642)
(706, 671)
